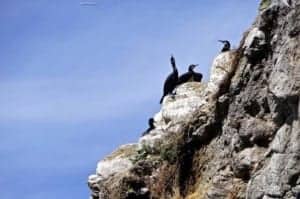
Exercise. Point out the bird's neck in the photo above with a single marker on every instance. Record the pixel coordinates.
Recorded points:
(227, 45)
(225, 48)
(175, 69)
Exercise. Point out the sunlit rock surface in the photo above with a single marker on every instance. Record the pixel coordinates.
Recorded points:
(221, 71)
(188, 99)
(236, 136)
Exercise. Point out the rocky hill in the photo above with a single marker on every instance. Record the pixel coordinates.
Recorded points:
(237, 136)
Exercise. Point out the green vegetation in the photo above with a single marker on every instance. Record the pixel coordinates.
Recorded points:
(142, 154)
(264, 4)
(169, 153)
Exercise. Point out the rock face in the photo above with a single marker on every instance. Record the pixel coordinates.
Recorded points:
(238, 136)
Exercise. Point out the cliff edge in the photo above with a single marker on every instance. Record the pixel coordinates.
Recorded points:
(236, 136)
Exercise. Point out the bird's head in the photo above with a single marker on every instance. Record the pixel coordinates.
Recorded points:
(226, 46)
(224, 41)
(151, 120)
(172, 59)
(173, 62)
(192, 66)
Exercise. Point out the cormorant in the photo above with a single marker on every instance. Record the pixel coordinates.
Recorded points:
(226, 46)
(197, 77)
(171, 81)
(151, 126)
(191, 75)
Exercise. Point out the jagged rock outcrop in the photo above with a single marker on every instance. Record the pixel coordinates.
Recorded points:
(237, 136)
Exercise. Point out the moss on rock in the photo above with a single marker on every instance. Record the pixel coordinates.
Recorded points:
(264, 4)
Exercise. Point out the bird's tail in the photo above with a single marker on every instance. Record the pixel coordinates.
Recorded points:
(161, 99)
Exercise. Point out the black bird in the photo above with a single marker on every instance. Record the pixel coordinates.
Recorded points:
(151, 126)
(191, 75)
(197, 77)
(171, 81)
(226, 46)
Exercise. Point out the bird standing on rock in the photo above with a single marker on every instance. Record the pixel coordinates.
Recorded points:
(151, 126)
(171, 81)
(191, 75)
(226, 46)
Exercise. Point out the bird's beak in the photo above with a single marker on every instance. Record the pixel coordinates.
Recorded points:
(221, 41)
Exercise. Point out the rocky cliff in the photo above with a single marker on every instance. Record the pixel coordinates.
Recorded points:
(237, 136)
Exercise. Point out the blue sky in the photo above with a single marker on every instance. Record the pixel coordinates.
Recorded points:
(77, 81)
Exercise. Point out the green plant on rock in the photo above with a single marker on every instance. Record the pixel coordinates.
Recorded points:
(169, 153)
(264, 4)
(142, 153)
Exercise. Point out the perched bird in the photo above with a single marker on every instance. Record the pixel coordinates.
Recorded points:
(226, 46)
(151, 126)
(197, 77)
(171, 81)
(191, 75)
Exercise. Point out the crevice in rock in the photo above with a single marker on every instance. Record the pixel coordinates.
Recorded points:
(134, 189)
(293, 179)
(186, 157)
(266, 106)
(262, 142)
(252, 108)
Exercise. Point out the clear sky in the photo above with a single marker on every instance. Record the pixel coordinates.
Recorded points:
(78, 80)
